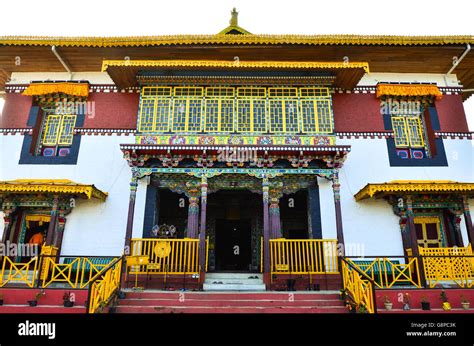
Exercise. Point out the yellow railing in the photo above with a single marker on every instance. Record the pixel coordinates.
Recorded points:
(261, 254)
(453, 264)
(357, 288)
(24, 273)
(387, 272)
(77, 274)
(303, 256)
(167, 256)
(47, 250)
(103, 287)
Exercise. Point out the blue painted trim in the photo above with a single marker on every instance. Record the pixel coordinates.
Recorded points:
(438, 161)
(26, 158)
(33, 116)
(315, 211)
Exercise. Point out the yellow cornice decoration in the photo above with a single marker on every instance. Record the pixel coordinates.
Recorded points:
(409, 90)
(51, 186)
(74, 89)
(140, 41)
(413, 186)
(235, 64)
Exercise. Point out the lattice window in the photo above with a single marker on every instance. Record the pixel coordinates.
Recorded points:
(219, 110)
(58, 130)
(51, 129)
(251, 109)
(187, 114)
(156, 91)
(228, 109)
(66, 132)
(325, 116)
(308, 116)
(314, 92)
(408, 132)
(415, 131)
(146, 122)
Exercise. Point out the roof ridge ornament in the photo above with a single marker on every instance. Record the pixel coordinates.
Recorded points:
(234, 17)
(234, 28)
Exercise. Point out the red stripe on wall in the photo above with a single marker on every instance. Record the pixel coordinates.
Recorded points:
(15, 111)
(357, 113)
(452, 117)
(112, 110)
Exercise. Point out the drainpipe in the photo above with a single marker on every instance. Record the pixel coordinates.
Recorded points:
(53, 48)
(468, 49)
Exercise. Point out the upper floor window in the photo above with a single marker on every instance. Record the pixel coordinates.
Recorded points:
(55, 135)
(235, 110)
(412, 131)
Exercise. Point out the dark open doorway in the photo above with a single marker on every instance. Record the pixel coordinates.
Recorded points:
(233, 245)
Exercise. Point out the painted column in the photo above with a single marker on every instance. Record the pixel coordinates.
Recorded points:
(52, 222)
(275, 193)
(202, 231)
(7, 222)
(58, 239)
(193, 215)
(131, 212)
(266, 227)
(411, 226)
(405, 233)
(336, 187)
(468, 220)
(275, 222)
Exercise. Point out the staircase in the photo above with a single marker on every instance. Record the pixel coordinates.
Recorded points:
(230, 302)
(234, 282)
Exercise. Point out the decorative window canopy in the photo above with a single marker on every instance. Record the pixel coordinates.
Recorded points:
(406, 187)
(409, 90)
(52, 187)
(73, 89)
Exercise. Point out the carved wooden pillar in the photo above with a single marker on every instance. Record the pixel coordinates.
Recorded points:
(468, 220)
(266, 227)
(193, 192)
(131, 212)
(52, 222)
(58, 239)
(336, 187)
(411, 226)
(7, 222)
(202, 231)
(274, 211)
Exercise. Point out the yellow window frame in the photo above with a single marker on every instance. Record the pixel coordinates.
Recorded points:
(329, 117)
(415, 131)
(51, 129)
(147, 126)
(399, 123)
(66, 129)
(186, 102)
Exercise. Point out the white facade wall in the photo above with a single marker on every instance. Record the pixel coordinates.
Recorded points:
(93, 227)
(372, 221)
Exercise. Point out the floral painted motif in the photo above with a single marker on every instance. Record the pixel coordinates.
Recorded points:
(207, 140)
(264, 140)
(177, 140)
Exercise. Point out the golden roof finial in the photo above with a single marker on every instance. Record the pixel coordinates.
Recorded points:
(234, 19)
